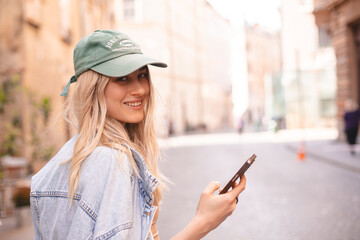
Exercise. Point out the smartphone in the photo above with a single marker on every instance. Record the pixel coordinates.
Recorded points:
(239, 173)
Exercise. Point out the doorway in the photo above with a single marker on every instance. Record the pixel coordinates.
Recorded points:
(356, 34)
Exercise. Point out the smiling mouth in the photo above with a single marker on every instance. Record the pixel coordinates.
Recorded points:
(134, 104)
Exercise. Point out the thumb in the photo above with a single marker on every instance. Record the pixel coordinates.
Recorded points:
(212, 187)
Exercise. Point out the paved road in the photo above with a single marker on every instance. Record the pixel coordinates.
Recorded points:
(284, 199)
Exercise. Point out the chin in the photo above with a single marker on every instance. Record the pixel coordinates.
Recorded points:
(134, 121)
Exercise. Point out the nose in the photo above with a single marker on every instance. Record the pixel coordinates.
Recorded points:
(138, 87)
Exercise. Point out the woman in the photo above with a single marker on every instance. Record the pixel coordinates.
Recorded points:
(105, 183)
(352, 118)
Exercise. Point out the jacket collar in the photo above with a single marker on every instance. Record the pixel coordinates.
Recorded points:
(149, 181)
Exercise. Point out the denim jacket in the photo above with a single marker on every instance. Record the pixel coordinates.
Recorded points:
(111, 202)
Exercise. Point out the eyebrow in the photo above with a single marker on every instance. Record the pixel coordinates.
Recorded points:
(143, 68)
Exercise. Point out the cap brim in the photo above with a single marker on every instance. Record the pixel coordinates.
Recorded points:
(124, 65)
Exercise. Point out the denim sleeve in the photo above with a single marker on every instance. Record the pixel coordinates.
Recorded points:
(107, 186)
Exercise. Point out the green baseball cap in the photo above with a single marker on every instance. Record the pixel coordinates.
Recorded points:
(110, 53)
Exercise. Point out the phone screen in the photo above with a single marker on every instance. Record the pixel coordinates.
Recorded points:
(239, 173)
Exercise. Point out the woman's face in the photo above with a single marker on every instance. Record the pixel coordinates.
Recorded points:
(126, 96)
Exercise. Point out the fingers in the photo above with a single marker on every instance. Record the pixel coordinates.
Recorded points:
(235, 184)
(211, 188)
(238, 188)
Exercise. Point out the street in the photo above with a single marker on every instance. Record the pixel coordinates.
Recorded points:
(285, 198)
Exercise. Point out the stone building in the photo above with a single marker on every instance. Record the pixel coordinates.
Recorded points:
(263, 54)
(309, 77)
(341, 19)
(37, 39)
(36, 45)
(195, 41)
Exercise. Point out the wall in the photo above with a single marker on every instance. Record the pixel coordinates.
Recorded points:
(307, 68)
(342, 16)
(37, 41)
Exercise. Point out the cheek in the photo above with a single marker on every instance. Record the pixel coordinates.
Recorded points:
(108, 95)
(113, 97)
(147, 88)
(108, 102)
(114, 92)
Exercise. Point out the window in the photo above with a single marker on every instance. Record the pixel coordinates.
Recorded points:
(324, 36)
(129, 10)
(327, 107)
(65, 16)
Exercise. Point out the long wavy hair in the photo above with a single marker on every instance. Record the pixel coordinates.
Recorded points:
(86, 110)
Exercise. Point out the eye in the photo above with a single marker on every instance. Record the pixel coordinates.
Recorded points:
(122, 79)
(143, 75)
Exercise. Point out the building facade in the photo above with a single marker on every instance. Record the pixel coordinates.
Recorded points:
(309, 76)
(263, 54)
(196, 43)
(36, 46)
(341, 19)
(37, 39)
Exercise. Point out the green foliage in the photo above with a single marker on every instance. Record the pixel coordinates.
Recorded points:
(1, 172)
(12, 129)
(40, 152)
(7, 89)
(3, 99)
(45, 108)
(12, 139)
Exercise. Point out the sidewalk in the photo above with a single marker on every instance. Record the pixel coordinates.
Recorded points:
(10, 231)
(321, 144)
(332, 152)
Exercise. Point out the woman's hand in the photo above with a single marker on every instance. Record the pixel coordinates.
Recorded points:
(212, 210)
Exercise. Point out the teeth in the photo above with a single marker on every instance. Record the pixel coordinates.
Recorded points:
(133, 104)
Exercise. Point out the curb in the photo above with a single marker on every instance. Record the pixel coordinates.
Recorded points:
(327, 160)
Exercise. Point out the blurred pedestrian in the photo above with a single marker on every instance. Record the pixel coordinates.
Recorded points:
(104, 183)
(352, 119)
(240, 125)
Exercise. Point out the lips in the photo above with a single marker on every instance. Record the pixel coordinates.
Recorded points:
(133, 104)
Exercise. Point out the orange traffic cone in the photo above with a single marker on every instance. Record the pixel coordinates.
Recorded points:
(301, 152)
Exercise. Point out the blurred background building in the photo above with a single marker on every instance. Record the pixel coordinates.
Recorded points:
(340, 19)
(222, 73)
(309, 76)
(192, 38)
(37, 39)
(263, 55)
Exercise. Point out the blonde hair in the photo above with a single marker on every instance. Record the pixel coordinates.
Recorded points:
(87, 111)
